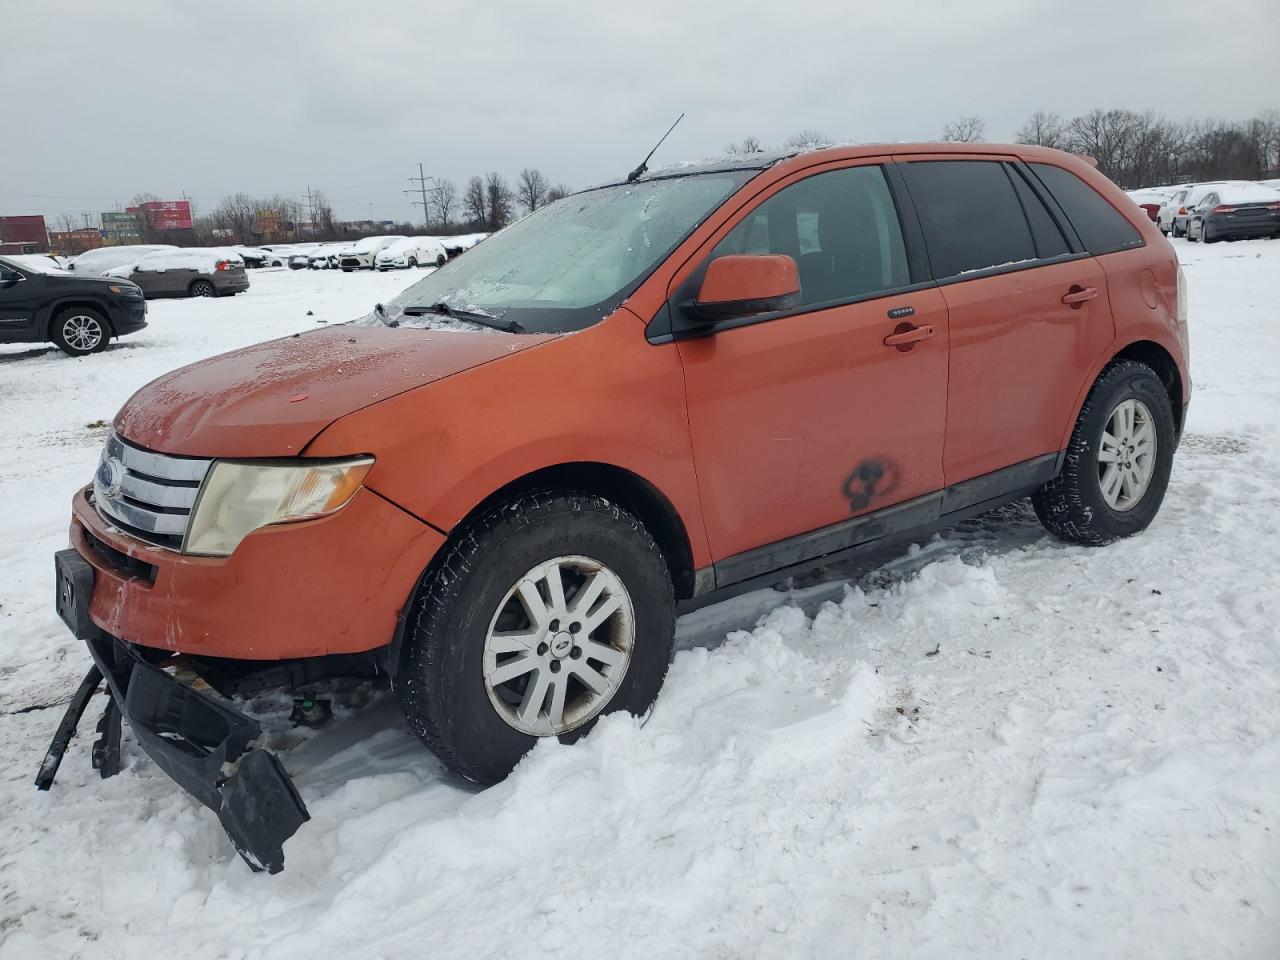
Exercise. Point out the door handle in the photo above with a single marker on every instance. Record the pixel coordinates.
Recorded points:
(1077, 295)
(906, 335)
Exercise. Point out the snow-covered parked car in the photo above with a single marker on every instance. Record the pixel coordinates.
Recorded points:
(1172, 218)
(1235, 210)
(192, 272)
(360, 255)
(96, 263)
(325, 256)
(412, 252)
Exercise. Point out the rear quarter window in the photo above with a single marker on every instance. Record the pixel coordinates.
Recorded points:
(1101, 228)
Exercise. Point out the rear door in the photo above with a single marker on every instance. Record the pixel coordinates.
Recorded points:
(804, 419)
(1027, 311)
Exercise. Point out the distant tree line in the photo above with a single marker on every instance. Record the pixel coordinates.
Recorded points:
(488, 203)
(1133, 149)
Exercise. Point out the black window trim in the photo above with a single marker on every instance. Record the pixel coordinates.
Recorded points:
(1051, 204)
(661, 329)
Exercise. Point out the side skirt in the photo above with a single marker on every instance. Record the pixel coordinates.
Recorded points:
(764, 566)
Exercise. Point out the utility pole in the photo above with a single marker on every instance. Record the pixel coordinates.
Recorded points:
(421, 180)
(311, 211)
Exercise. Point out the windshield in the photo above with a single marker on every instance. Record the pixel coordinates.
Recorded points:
(572, 262)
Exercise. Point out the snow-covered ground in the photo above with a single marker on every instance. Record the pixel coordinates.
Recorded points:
(990, 746)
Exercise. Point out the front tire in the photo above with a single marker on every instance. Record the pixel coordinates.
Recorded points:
(547, 611)
(1117, 466)
(440, 260)
(80, 331)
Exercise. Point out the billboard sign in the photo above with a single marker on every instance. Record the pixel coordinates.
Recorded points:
(167, 214)
(121, 227)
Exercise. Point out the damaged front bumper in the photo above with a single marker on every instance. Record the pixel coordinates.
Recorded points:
(208, 748)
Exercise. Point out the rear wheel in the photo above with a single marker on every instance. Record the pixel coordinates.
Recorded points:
(1205, 235)
(1117, 466)
(202, 288)
(547, 611)
(1177, 232)
(413, 261)
(79, 331)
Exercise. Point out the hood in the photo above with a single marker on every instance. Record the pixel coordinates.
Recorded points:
(272, 399)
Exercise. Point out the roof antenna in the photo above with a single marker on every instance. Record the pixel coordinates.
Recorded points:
(644, 164)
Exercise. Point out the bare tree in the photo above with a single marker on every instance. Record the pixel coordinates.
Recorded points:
(531, 189)
(443, 198)
(1043, 130)
(238, 214)
(965, 130)
(322, 215)
(747, 146)
(807, 139)
(475, 203)
(558, 192)
(498, 198)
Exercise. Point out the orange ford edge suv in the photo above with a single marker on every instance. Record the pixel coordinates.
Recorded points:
(499, 489)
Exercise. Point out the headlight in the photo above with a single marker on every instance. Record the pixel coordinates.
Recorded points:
(125, 291)
(238, 498)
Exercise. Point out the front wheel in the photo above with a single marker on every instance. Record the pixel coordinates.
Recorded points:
(1117, 465)
(440, 260)
(79, 331)
(549, 610)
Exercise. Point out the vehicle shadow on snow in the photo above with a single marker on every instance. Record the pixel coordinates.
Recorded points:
(48, 349)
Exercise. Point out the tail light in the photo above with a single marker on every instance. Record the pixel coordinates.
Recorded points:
(1223, 208)
(1182, 211)
(223, 265)
(1273, 206)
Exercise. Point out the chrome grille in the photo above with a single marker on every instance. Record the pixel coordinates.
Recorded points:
(147, 495)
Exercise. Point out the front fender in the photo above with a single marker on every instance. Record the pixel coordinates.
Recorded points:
(602, 395)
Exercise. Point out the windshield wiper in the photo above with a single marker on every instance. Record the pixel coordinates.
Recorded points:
(472, 316)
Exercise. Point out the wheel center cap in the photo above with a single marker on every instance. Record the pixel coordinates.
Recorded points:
(561, 644)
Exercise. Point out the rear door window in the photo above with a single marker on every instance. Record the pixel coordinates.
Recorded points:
(1101, 227)
(971, 216)
(841, 228)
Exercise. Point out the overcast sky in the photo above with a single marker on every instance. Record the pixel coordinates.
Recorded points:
(109, 99)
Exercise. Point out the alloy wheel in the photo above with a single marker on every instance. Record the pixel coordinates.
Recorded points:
(82, 332)
(558, 647)
(1127, 455)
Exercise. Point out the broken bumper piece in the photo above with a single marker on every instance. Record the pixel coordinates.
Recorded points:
(198, 741)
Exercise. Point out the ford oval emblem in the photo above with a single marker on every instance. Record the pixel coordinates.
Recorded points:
(109, 477)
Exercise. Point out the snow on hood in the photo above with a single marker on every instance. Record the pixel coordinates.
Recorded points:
(273, 398)
(37, 263)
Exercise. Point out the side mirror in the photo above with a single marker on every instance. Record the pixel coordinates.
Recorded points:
(9, 277)
(739, 285)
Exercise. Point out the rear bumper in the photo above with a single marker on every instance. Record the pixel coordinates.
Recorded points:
(199, 741)
(1226, 229)
(333, 585)
(237, 285)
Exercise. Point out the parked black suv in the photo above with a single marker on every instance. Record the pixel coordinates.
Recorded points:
(78, 314)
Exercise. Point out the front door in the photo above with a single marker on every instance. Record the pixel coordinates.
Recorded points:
(18, 299)
(806, 419)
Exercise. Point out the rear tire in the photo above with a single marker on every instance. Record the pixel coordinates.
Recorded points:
(476, 598)
(80, 331)
(1175, 229)
(202, 288)
(1074, 506)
